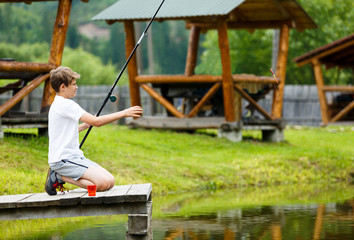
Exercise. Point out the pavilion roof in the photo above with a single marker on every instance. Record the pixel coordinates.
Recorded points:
(338, 53)
(30, 1)
(238, 13)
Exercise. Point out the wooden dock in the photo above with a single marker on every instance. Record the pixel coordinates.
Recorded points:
(133, 200)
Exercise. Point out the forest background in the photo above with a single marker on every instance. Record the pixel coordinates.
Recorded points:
(26, 31)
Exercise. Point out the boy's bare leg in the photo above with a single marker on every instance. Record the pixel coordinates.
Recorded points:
(98, 176)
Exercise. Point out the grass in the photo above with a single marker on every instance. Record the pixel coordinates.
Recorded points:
(176, 162)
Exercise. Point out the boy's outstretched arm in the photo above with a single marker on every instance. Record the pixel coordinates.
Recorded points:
(91, 120)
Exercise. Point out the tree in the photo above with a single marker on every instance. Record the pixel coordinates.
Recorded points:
(91, 68)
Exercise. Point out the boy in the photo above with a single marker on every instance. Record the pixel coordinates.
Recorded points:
(66, 161)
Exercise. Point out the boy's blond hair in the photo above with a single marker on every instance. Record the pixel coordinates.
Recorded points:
(62, 75)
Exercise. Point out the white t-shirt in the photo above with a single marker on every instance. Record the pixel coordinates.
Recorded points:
(63, 130)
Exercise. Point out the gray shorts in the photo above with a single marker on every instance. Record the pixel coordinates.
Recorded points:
(73, 168)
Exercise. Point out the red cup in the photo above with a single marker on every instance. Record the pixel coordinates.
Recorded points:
(91, 189)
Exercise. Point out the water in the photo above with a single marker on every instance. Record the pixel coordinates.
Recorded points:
(282, 213)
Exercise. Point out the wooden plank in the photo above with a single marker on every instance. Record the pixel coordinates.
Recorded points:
(73, 211)
(39, 200)
(139, 193)
(117, 194)
(73, 197)
(25, 125)
(114, 195)
(98, 199)
(10, 201)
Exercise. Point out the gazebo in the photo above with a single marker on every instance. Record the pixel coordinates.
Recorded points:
(339, 53)
(220, 15)
(30, 75)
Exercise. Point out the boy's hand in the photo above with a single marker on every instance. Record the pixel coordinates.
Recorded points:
(135, 112)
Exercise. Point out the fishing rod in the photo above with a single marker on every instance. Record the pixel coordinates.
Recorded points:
(109, 95)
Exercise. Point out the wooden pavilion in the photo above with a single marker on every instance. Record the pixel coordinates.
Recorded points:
(339, 54)
(220, 15)
(30, 75)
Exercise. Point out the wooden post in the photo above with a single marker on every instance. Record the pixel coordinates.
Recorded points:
(281, 72)
(192, 53)
(139, 225)
(57, 48)
(231, 100)
(321, 94)
(132, 66)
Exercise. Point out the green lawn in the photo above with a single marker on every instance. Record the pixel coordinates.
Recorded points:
(175, 162)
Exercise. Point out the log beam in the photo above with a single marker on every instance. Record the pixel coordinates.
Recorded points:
(244, 24)
(192, 53)
(162, 100)
(204, 100)
(343, 112)
(338, 88)
(12, 66)
(22, 93)
(237, 78)
(252, 102)
(278, 94)
(132, 66)
(177, 79)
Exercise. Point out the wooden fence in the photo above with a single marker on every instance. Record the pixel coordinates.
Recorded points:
(301, 105)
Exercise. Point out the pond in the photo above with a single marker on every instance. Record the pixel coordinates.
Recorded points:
(284, 212)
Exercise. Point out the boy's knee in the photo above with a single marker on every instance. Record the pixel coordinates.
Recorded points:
(112, 180)
(105, 184)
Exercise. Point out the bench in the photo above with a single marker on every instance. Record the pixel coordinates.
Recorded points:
(134, 200)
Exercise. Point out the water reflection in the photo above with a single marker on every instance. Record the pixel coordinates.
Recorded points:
(310, 213)
(323, 221)
(282, 213)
